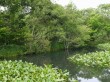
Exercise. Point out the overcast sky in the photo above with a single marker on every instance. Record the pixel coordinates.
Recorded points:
(81, 4)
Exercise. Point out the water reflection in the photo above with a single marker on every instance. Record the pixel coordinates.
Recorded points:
(93, 75)
(59, 60)
(88, 80)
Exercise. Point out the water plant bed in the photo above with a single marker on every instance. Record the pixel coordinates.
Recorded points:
(18, 71)
(104, 46)
(95, 59)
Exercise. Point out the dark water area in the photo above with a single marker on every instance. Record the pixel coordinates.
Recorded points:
(59, 60)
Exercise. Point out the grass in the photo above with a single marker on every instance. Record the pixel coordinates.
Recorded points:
(11, 51)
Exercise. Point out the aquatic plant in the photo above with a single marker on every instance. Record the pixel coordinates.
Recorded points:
(105, 46)
(95, 59)
(18, 71)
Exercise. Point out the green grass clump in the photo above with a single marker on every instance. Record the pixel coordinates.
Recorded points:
(18, 71)
(95, 59)
(11, 50)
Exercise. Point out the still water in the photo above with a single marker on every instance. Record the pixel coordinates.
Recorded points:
(59, 60)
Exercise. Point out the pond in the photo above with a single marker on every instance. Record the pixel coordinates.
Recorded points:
(59, 60)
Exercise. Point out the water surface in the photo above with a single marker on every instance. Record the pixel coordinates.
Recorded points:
(59, 60)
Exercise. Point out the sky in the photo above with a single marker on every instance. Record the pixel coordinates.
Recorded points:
(83, 4)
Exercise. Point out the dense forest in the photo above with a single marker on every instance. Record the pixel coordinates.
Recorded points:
(39, 26)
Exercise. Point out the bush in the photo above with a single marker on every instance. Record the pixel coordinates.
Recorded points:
(95, 59)
(18, 71)
(11, 50)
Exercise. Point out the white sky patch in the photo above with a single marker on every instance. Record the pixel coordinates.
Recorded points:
(3, 8)
(62, 2)
(82, 4)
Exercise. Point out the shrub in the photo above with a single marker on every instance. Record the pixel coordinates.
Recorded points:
(95, 59)
(18, 71)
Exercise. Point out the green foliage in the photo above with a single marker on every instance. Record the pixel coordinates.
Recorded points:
(4, 35)
(96, 22)
(83, 35)
(11, 50)
(57, 46)
(18, 71)
(104, 9)
(104, 46)
(95, 59)
(42, 26)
